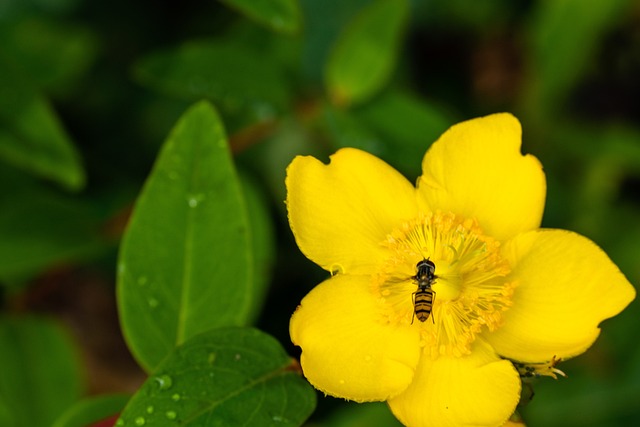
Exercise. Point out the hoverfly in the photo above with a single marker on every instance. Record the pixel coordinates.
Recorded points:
(424, 297)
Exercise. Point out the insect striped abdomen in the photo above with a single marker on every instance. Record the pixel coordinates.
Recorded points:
(423, 303)
(424, 296)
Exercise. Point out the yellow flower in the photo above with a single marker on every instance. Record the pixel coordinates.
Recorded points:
(504, 290)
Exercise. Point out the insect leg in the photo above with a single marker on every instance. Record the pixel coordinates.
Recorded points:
(413, 300)
(433, 300)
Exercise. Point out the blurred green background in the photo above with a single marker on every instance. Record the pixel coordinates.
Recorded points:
(89, 90)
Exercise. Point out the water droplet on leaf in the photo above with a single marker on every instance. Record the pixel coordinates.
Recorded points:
(195, 199)
(175, 397)
(171, 415)
(164, 382)
(140, 421)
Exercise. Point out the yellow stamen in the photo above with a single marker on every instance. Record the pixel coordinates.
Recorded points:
(471, 290)
(548, 368)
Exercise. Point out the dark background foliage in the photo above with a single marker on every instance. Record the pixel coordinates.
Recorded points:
(89, 90)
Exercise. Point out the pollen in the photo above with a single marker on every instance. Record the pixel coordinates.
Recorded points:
(470, 288)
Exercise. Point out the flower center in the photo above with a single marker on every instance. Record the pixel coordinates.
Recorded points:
(466, 291)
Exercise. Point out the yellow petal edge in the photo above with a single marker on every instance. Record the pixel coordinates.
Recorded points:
(477, 390)
(340, 212)
(476, 170)
(566, 286)
(347, 353)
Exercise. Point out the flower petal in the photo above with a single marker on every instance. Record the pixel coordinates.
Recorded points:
(477, 390)
(476, 170)
(346, 350)
(340, 213)
(566, 286)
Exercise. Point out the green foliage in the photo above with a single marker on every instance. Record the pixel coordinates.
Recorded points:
(423, 121)
(261, 244)
(90, 410)
(201, 273)
(39, 370)
(231, 376)
(41, 227)
(88, 91)
(57, 55)
(560, 51)
(280, 15)
(233, 75)
(366, 52)
(31, 136)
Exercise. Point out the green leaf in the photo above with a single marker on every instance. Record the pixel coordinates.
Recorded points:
(186, 261)
(565, 36)
(365, 54)
(224, 377)
(53, 54)
(279, 15)
(31, 137)
(262, 240)
(236, 77)
(323, 23)
(6, 415)
(40, 377)
(41, 228)
(90, 410)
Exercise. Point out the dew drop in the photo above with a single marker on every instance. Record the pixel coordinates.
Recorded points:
(341, 381)
(142, 280)
(195, 200)
(120, 422)
(171, 415)
(153, 303)
(277, 418)
(176, 397)
(164, 382)
(140, 421)
(149, 409)
(212, 358)
(237, 357)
